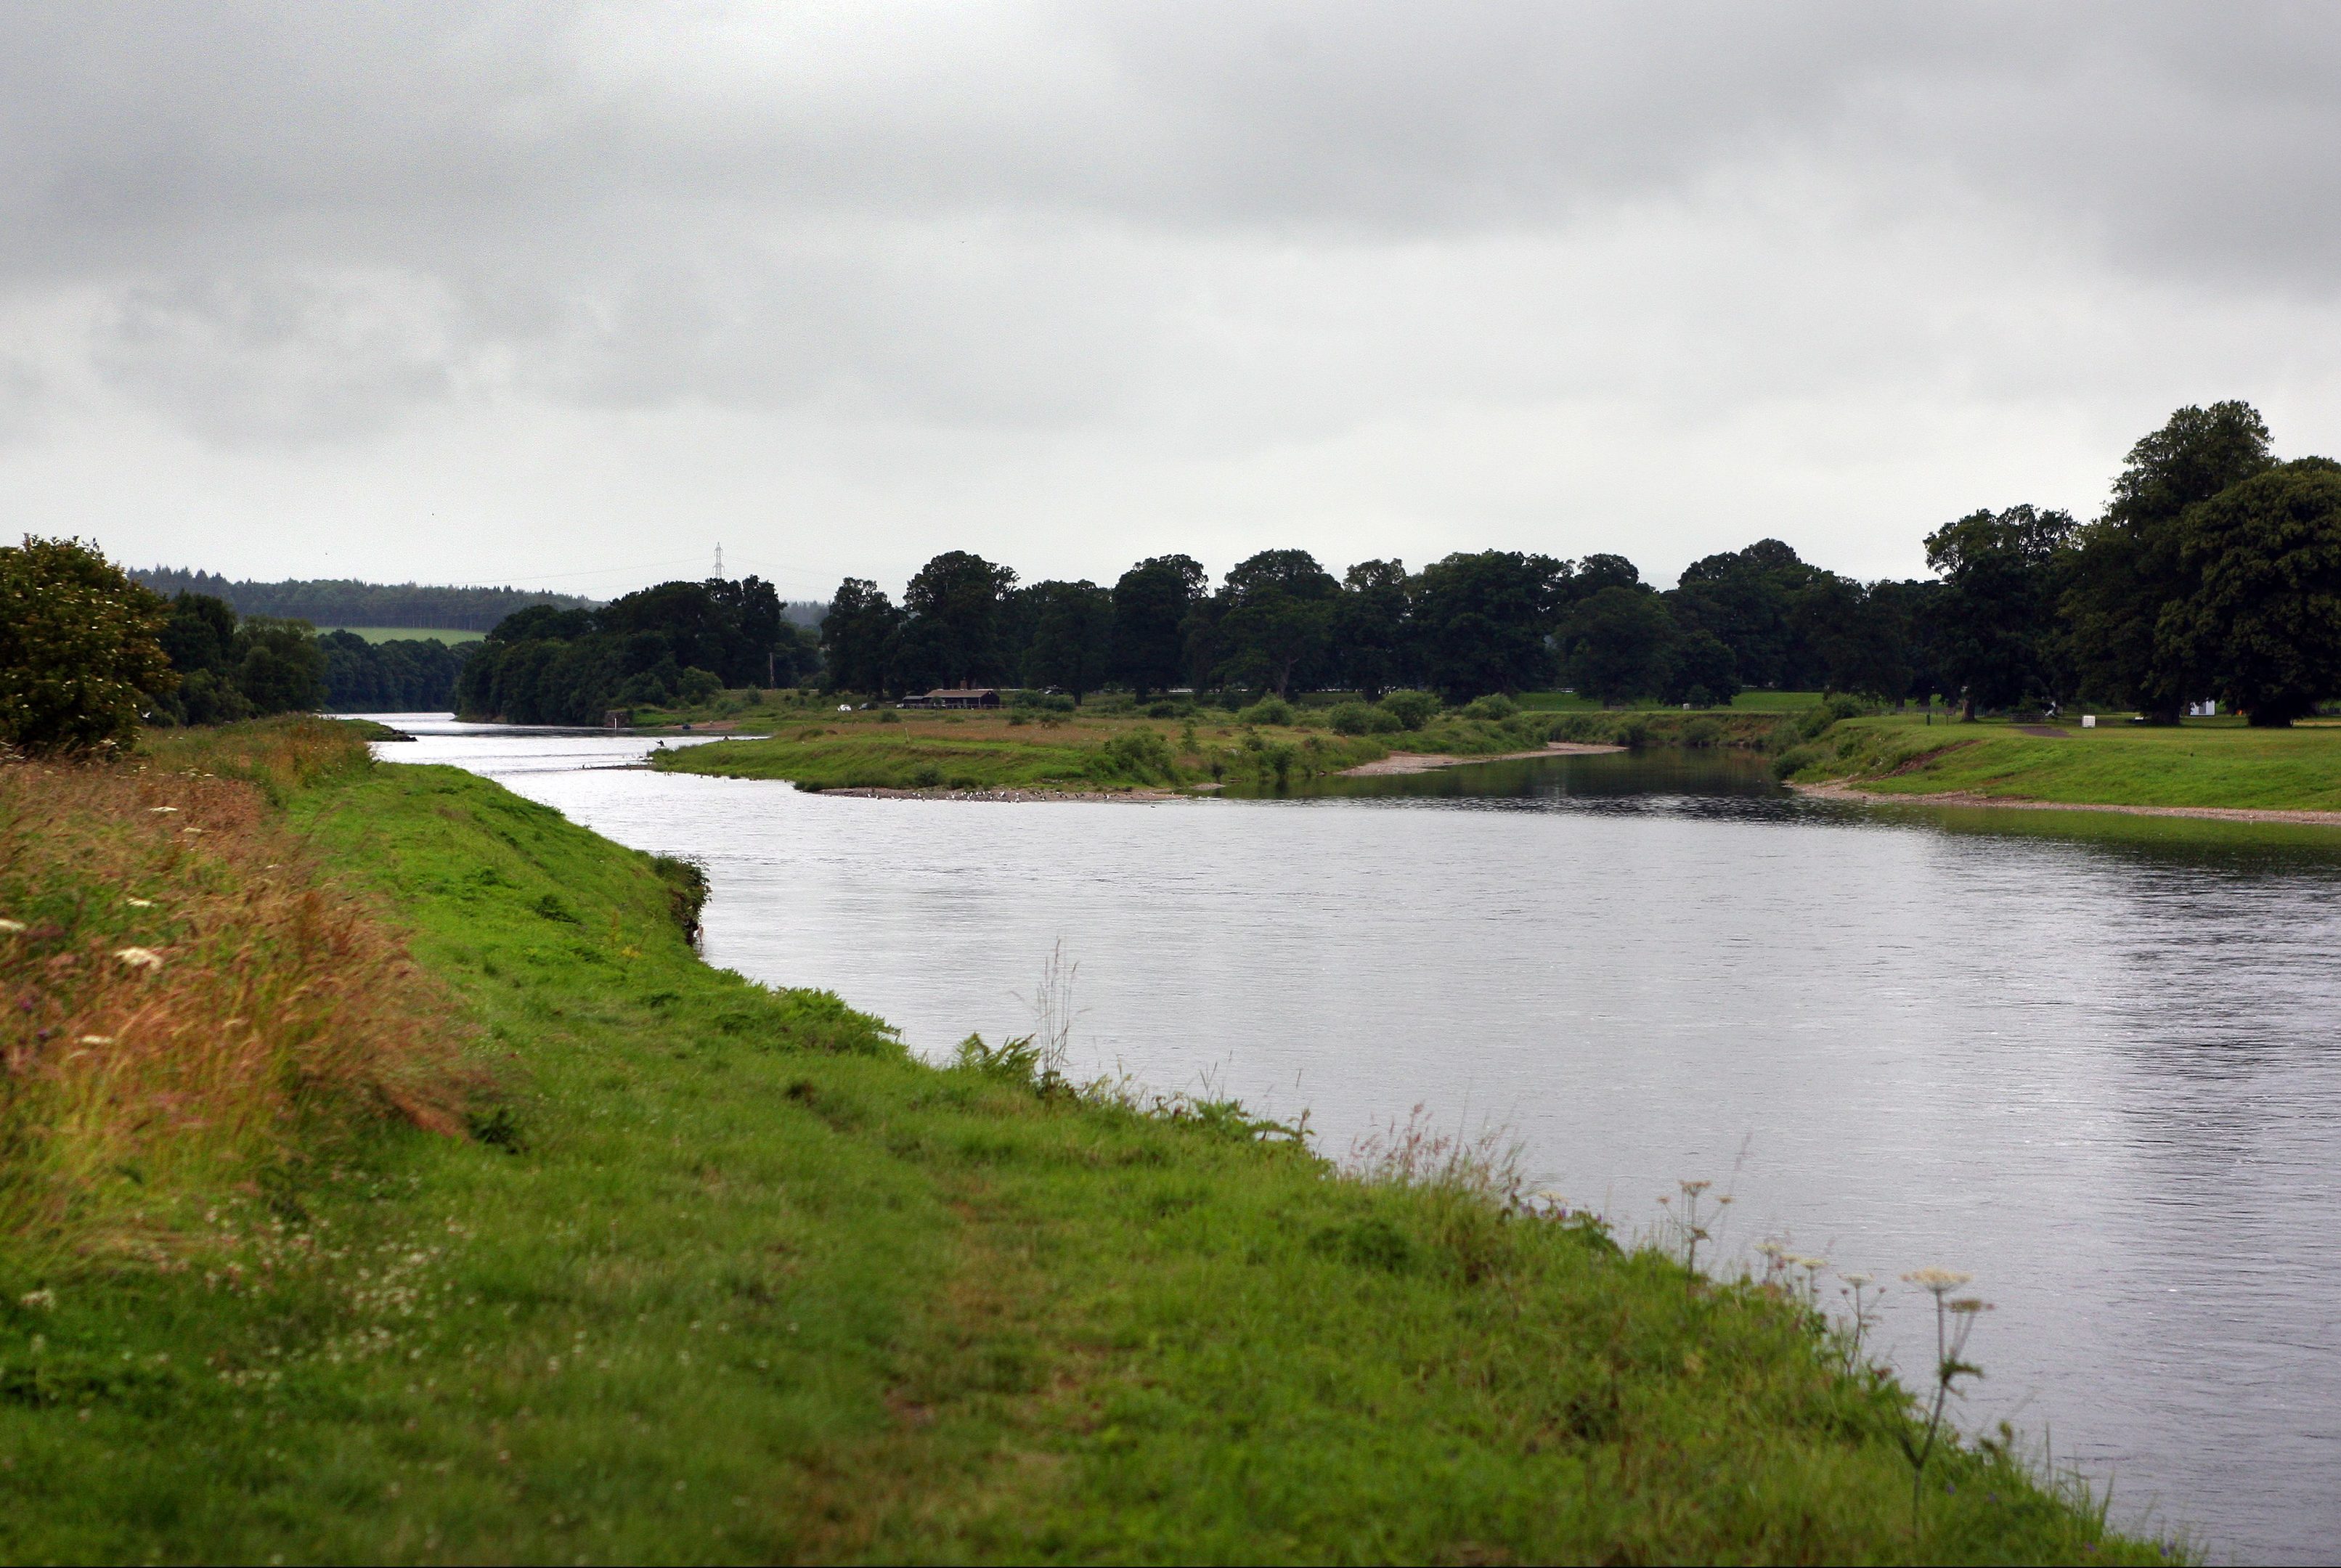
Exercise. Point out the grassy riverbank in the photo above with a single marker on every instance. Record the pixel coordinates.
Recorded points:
(1128, 751)
(2202, 763)
(596, 1252)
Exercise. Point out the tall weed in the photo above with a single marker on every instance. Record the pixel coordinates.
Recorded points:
(190, 1003)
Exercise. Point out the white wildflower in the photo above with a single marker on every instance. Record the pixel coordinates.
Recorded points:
(148, 958)
(10, 928)
(1936, 1280)
(95, 1040)
(142, 903)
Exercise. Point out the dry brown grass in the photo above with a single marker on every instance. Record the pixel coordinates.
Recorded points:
(189, 1004)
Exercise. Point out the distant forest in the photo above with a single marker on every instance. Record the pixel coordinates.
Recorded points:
(342, 601)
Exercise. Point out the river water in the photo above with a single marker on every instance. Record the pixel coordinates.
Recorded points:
(2091, 1061)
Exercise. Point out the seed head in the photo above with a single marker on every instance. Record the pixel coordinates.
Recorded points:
(1938, 1280)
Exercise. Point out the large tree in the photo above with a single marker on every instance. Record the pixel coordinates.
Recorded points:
(954, 606)
(1151, 605)
(2264, 620)
(1072, 637)
(1747, 600)
(1275, 627)
(1617, 641)
(1483, 621)
(2002, 574)
(1851, 638)
(854, 636)
(2128, 570)
(79, 653)
(1371, 625)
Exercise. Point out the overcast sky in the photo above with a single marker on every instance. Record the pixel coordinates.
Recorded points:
(562, 295)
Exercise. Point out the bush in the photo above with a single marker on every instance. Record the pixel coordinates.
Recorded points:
(888, 716)
(1268, 710)
(1495, 706)
(1412, 709)
(926, 776)
(80, 648)
(699, 685)
(1141, 757)
(1700, 733)
(1633, 732)
(1355, 719)
(1795, 759)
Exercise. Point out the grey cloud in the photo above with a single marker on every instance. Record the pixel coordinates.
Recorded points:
(1185, 248)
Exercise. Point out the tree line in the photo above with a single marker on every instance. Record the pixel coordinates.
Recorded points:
(345, 602)
(2214, 574)
(1466, 625)
(232, 667)
(672, 643)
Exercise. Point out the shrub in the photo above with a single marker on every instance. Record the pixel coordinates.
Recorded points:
(1412, 709)
(1354, 718)
(1166, 711)
(926, 776)
(1634, 732)
(79, 648)
(1795, 760)
(1268, 710)
(1016, 719)
(1700, 733)
(1495, 705)
(699, 685)
(888, 716)
(1141, 757)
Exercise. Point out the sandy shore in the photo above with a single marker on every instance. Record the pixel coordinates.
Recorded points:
(1965, 798)
(1426, 761)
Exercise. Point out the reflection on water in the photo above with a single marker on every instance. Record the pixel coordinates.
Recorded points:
(2090, 1060)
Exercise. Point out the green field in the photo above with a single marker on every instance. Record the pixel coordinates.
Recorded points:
(1013, 750)
(721, 1274)
(407, 633)
(2201, 763)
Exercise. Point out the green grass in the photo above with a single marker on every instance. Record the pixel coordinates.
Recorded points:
(724, 1276)
(407, 633)
(2215, 763)
(1094, 752)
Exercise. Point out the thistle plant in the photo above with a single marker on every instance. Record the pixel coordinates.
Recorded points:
(1955, 1320)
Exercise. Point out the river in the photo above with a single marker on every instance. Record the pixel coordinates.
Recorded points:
(2090, 1061)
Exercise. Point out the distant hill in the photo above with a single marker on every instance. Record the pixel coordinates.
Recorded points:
(343, 601)
(805, 611)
